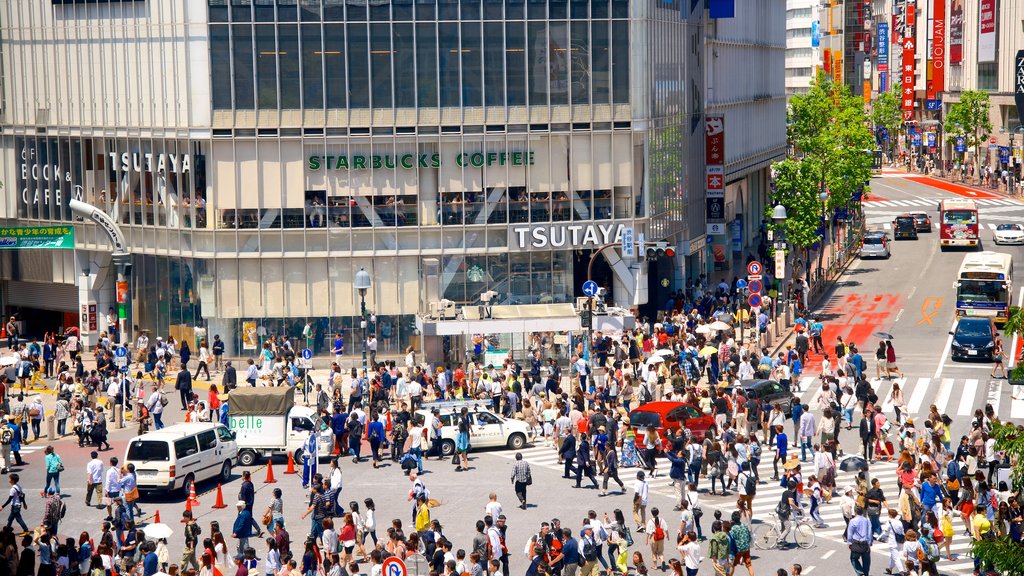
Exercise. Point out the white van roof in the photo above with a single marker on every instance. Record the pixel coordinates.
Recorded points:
(177, 431)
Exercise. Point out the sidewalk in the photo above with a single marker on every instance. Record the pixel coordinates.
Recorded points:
(971, 182)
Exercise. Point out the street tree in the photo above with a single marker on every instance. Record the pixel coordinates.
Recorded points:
(969, 119)
(885, 112)
(1003, 553)
(834, 147)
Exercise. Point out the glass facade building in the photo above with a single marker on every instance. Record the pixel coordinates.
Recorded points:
(257, 153)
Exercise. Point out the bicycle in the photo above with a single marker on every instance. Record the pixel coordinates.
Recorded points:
(767, 536)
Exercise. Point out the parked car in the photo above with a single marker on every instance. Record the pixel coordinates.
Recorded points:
(973, 339)
(922, 221)
(172, 458)
(667, 415)
(875, 245)
(489, 429)
(769, 390)
(903, 226)
(1008, 234)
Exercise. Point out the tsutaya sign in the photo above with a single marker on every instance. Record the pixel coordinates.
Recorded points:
(413, 161)
(566, 236)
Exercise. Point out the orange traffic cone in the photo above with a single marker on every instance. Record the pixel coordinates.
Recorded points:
(291, 465)
(337, 448)
(220, 499)
(188, 416)
(270, 472)
(156, 517)
(188, 508)
(192, 498)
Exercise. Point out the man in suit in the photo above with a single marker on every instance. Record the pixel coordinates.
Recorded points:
(867, 432)
(247, 492)
(183, 384)
(568, 453)
(230, 378)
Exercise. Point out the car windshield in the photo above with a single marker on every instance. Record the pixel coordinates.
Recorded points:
(904, 221)
(974, 330)
(639, 419)
(873, 240)
(1014, 227)
(959, 217)
(142, 450)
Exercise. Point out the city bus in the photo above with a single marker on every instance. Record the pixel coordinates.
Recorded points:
(958, 223)
(983, 285)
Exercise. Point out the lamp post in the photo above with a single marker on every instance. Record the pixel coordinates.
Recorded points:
(363, 283)
(823, 196)
(779, 218)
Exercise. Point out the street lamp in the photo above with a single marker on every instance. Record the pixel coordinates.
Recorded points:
(823, 196)
(363, 283)
(779, 218)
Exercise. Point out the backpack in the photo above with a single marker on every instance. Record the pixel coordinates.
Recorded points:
(659, 532)
(783, 509)
(6, 436)
(750, 484)
(374, 434)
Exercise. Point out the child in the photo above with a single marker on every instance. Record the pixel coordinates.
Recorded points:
(161, 553)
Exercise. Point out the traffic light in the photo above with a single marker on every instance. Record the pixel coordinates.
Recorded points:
(656, 250)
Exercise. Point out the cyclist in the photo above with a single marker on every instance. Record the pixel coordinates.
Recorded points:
(786, 508)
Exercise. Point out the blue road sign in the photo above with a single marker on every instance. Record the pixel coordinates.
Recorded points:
(754, 300)
(124, 369)
(121, 352)
(931, 139)
(307, 354)
(741, 283)
(590, 288)
(917, 139)
(756, 286)
(961, 144)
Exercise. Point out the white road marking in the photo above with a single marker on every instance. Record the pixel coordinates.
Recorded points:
(991, 226)
(945, 389)
(917, 398)
(967, 400)
(995, 393)
(887, 226)
(945, 350)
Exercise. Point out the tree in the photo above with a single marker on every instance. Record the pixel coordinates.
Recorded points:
(834, 151)
(1005, 555)
(886, 112)
(969, 119)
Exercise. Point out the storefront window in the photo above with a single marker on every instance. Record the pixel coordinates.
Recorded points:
(448, 42)
(358, 65)
(404, 62)
(472, 72)
(288, 55)
(245, 94)
(312, 67)
(220, 66)
(334, 64)
(380, 58)
(426, 64)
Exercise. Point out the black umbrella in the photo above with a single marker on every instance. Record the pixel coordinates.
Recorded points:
(883, 335)
(853, 464)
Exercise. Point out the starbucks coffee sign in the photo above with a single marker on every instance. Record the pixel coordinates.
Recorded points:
(413, 161)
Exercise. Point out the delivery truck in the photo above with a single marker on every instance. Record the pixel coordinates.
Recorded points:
(267, 423)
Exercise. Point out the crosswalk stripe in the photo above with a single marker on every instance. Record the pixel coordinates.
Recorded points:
(887, 405)
(991, 226)
(967, 401)
(901, 203)
(887, 226)
(917, 397)
(945, 389)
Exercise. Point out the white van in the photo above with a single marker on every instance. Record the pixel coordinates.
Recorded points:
(170, 459)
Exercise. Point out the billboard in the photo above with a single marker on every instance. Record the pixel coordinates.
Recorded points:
(938, 49)
(883, 46)
(987, 31)
(956, 31)
(908, 69)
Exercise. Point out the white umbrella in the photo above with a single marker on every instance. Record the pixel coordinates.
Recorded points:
(719, 325)
(655, 360)
(9, 360)
(663, 352)
(157, 531)
(703, 329)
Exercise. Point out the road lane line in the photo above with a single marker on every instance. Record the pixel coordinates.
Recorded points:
(945, 351)
(967, 400)
(945, 389)
(917, 398)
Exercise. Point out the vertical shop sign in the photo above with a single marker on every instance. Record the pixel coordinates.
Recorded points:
(883, 46)
(938, 51)
(987, 32)
(908, 69)
(956, 31)
(714, 163)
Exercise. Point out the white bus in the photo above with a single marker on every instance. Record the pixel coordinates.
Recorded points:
(983, 285)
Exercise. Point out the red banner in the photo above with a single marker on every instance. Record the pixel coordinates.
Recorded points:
(714, 140)
(908, 69)
(938, 55)
(956, 31)
(827, 60)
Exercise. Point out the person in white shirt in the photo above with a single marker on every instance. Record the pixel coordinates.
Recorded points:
(493, 507)
(371, 349)
(204, 361)
(141, 349)
(641, 490)
(415, 394)
(94, 479)
(111, 487)
(335, 477)
(155, 406)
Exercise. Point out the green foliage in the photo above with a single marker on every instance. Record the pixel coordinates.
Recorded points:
(969, 119)
(835, 147)
(1006, 556)
(886, 111)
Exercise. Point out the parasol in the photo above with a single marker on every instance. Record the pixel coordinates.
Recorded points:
(663, 352)
(707, 351)
(703, 329)
(157, 531)
(9, 360)
(719, 325)
(655, 360)
(853, 464)
(883, 335)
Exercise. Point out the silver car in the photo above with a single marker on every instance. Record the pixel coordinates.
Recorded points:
(875, 245)
(1009, 234)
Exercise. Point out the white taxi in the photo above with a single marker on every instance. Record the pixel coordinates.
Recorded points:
(489, 429)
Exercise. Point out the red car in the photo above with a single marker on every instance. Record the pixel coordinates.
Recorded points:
(674, 415)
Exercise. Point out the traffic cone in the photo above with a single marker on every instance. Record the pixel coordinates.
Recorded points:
(270, 472)
(337, 448)
(188, 508)
(156, 517)
(291, 465)
(192, 498)
(188, 416)
(220, 499)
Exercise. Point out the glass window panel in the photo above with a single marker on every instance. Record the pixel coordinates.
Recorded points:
(334, 64)
(493, 9)
(470, 9)
(309, 10)
(620, 61)
(620, 8)
(264, 10)
(380, 60)
(494, 63)
(312, 67)
(241, 10)
(245, 95)
(579, 9)
(220, 67)
(380, 11)
(448, 43)
(266, 66)
(447, 9)
(287, 10)
(558, 59)
(426, 10)
(218, 10)
(599, 61)
(472, 71)
(358, 66)
(557, 9)
(515, 9)
(401, 10)
(580, 63)
(334, 10)
(599, 9)
(426, 64)
(404, 50)
(515, 62)
(355, 11)
(537, 37)
(288, 60)
(537, 9)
